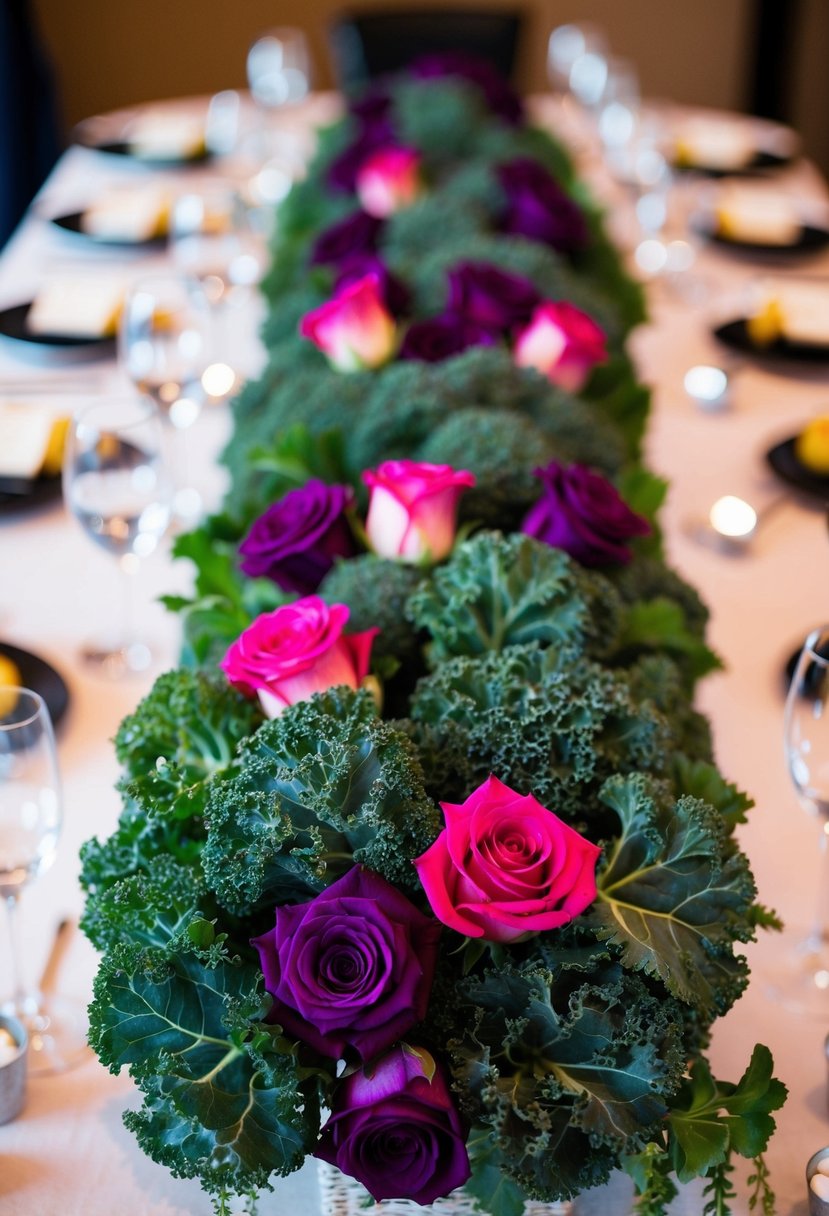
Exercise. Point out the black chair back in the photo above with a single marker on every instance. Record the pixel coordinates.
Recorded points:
(369, 44)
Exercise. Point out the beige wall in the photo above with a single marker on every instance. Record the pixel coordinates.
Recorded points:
(113, 53)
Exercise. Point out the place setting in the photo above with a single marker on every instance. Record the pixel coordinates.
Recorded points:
(781, 323)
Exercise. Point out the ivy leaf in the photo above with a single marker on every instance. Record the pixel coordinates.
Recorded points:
(673, 896)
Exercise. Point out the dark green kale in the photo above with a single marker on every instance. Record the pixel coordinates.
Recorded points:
(376, 591)
(320, 788)
(498, 591)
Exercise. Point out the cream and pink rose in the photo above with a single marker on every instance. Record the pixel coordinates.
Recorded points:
(389, 180)
(300, 649)
(413, 509)
(354, 330)
(563, 343)
(505, 867)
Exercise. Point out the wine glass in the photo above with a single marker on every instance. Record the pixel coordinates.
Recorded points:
(115, 483)
(163, 342)
(806, 739)
(30, 823)
(279, 67)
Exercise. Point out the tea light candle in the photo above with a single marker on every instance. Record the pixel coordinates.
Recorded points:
(817, 1178)
(9, 1047)
(12, 1068)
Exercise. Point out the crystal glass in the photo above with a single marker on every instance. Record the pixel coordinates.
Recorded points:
(279, 67)
(30, 823)
(804, 984)
(164, 344)
(116, 484)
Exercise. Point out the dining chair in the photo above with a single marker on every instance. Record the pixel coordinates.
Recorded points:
(366, 44)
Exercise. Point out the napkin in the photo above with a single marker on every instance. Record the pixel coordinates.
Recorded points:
(164, 135)
(31, 440)
(795, 310)
(758, 216)
(85, 307)
(714, 144)
(131, 214)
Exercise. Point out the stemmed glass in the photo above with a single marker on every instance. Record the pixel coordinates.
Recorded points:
(806, 739)
(116, 484)
(163, 344)
(279, 67)
(30, 822)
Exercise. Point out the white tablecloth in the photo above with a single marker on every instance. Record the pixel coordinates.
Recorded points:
(68, 1153)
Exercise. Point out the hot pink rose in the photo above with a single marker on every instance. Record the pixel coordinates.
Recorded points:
(354, 330)
(413, 508)
(505, 867)
(388, 180)
(287, 655)
(562, 343)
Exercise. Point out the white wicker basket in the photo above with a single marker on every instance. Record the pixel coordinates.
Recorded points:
(343, 1196)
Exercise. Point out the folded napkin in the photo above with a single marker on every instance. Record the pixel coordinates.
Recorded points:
(128, 214)
(166, 135)
(758, 216)
(85, 307)
(795, 310)
(714, 144)
(31, 440)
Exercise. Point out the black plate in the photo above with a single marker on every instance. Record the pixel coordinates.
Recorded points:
(39, 493)
(782, 459)
(735, 335)
(72, 223)
(811, 240)
(761, 161)
(13, 325)
(37, 674)
(122, 148)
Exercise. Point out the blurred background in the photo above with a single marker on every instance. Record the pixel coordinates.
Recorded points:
(761, 56)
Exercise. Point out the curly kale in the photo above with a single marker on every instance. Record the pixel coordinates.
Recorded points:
(376, 591)
(322, 787)
(545, 722)
(657, 678)
(562, 1071)
(497, 591)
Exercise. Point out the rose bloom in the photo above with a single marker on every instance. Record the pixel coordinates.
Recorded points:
(351, 968)
(440, 338)
(538, 208)
(394, 292)
(294, 543)
(581, 512)
(395, 1129)
(562, 343)
(375, 132)
(389, 180)
(287, 655)
(491, 297)
(413, 509)
(356, 234)
(496, 91)
(354, 330)
(505, 867)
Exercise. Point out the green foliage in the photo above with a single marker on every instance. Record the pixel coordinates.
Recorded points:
(674, 895)
(497, 591)
(545, 721)
(376, 591)
(322, 787)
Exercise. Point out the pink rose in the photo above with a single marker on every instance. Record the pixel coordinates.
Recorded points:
(562, 343)
(354, 330)
(413, 508)
(505, 867)
(287, 655)
(388, 180)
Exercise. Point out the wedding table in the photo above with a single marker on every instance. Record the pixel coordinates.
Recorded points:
(68, 1152)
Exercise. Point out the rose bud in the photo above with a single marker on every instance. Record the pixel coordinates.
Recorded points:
(355, 331)
(538, 208)
(352, 968)
(357, 234)
(389, 180)
(562, 343)
(581, 512)
(295, 542)
(491, 297)
(287, 655)
(413, 509)
(440, 338)
(395, 1129)
(505, 867)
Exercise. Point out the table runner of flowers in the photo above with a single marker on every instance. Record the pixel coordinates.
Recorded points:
(425, 866)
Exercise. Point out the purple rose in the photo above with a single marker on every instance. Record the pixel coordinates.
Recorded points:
(351, 968)
(356, 234)
(372, 107)
(538, 208)
(499, 97)
(491, 298)
(395, 1129)
(395, 293)
(580, 512)
(297, 539)
(441, 337)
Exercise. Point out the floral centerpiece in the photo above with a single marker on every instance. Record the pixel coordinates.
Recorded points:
(425, 867)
